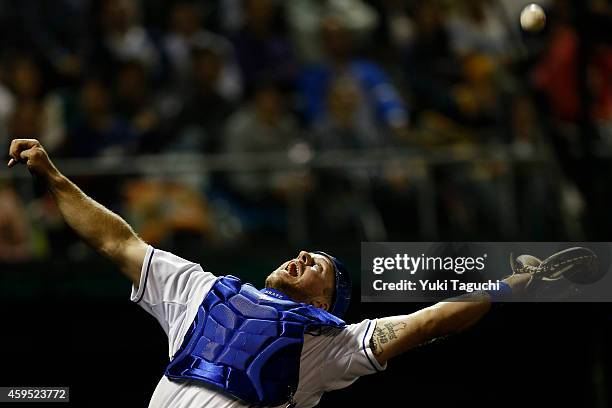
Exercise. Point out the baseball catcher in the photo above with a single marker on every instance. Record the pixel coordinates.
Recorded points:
(232, 345)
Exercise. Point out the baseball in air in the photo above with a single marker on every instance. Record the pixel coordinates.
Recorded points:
(533, 18)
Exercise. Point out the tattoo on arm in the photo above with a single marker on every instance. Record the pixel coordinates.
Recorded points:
(383, 334)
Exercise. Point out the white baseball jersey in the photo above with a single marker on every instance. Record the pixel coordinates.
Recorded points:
(172, 288)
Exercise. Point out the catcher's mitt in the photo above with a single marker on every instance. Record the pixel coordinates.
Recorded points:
(566, 263)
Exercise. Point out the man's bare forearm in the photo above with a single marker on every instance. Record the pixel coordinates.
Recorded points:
(105, 231)
(102, 229)
(397, 334)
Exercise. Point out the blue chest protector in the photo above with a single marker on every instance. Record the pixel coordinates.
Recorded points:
(248, 342)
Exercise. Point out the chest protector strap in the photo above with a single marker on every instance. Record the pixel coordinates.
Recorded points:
(248, 342)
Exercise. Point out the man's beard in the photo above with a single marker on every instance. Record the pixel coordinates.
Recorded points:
(276, 281)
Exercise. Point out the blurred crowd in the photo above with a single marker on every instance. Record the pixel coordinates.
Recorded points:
(97, 78)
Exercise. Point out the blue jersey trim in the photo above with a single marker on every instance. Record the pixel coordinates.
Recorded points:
(364, 347)
(144, 285)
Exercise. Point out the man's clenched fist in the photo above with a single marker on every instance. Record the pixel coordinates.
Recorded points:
(31, 152)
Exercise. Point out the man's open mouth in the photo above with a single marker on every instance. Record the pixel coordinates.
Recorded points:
(293, 269)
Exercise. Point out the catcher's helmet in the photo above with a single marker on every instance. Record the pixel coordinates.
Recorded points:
(342, 293)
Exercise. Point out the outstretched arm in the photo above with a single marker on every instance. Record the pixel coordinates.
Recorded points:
(397, 334)
(103, 230)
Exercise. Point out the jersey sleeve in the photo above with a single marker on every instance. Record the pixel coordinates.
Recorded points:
(345, 355)
(167, 286)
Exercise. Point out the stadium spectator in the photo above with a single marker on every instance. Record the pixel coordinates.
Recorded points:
(98, 129)
(262, 48)
(26, 120)
(344, 124)
(431, 66)
(136, 103)
(57, 31)
(34, 102)
(122, 38)
(14, 233)
(476, 27)
(381, 100)
(265, 126)
(167, 213)
(556, 76)
(199, 125)
(127, 76)
(7, 107)
(185, 34)
(304, 18)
